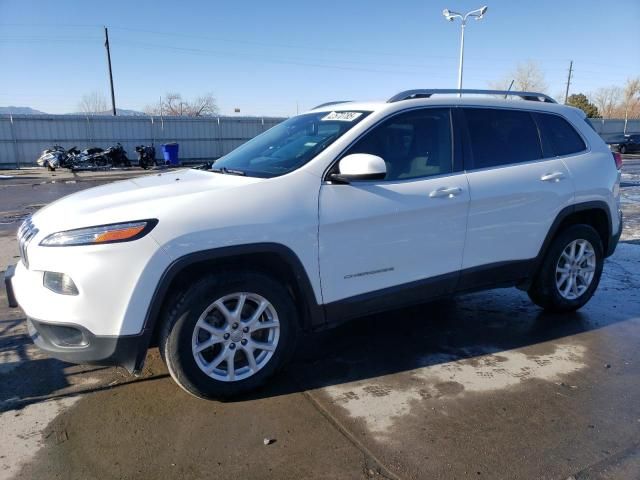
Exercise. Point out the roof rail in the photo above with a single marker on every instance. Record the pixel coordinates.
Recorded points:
(426, 93)
(331, 103)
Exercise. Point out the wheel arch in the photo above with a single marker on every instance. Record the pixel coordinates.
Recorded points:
(269, 258)
(594, 213)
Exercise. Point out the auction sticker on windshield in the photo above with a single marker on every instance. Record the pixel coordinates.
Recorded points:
(342, 116)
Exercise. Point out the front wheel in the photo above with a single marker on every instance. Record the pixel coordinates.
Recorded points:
(228, 333)
(570, 271)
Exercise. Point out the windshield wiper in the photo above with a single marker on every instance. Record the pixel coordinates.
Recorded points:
(229, 171)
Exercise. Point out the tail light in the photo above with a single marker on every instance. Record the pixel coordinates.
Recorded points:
(618, 159)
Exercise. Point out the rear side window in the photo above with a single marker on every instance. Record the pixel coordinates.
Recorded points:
(501, 137)
(558, 136)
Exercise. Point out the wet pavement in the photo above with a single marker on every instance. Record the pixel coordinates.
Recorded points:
(480, 386)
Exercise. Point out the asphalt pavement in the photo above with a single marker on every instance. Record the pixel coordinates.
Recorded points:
(485, 385)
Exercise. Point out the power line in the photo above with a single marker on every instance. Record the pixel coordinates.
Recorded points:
(292, 46)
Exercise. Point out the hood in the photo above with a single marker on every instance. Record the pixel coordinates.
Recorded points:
(142, 197)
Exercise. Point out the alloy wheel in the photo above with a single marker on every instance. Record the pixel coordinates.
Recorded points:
(235, 336)
(575, 269)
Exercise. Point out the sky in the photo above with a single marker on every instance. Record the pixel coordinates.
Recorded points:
(279, 57)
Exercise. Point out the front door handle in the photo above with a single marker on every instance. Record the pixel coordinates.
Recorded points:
(552, 177)
(448, 192)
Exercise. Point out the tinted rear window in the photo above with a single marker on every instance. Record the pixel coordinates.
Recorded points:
(501, 137)
(558, 136)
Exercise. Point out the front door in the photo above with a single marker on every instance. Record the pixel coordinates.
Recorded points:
(405, 233)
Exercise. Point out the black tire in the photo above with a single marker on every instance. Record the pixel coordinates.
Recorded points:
(623, 149)
(181, 316)
(544, 292)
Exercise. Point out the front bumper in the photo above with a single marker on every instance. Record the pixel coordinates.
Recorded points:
(11, 296)
(75, 344)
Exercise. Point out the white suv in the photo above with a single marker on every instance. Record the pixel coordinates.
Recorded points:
(348, 209)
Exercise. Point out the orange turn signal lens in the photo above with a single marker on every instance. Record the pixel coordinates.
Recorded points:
(122, 234)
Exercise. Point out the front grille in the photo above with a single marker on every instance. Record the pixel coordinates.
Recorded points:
(26, 232)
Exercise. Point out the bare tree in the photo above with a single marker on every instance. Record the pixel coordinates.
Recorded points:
(607, 99)
(527, 76)
(92, 103)
(173, 105)
(631, 100)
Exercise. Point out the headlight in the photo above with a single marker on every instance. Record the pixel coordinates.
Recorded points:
(113, 233)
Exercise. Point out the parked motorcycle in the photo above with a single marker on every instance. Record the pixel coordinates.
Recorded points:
(117, 156)
(54, 157)
(89, 159)
(146, 156)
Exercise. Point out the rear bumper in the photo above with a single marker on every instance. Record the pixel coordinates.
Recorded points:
(614, 239)
(75, 344)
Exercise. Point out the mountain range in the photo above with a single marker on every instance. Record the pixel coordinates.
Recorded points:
(32, 111)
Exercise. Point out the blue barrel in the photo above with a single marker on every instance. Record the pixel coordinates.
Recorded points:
(170, 153)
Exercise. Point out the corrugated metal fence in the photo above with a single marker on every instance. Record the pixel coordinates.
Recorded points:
(612, 127)
(23, 137)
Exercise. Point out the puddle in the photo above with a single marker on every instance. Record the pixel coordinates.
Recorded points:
(13, 218)
(17, 217)
(630, 197)
(381, 402)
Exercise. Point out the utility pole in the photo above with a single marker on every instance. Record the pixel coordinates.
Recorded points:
(106, 44)
(566, 93)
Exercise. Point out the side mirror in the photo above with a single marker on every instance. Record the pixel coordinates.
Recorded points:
(359, 167)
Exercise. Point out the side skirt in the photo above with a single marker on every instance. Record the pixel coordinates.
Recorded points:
(497, 275)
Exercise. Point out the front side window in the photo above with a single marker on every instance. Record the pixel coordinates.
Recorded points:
(413, 144)
(289, 145)
(501, 137)
(558, 136)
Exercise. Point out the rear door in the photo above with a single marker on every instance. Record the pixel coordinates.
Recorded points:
(515, 192)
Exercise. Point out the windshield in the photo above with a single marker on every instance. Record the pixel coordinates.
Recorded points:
(288, 145)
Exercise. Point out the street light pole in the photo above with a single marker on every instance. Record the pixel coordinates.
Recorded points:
(478, 14)
(461, 63)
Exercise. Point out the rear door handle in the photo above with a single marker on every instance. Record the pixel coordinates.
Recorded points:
(442, 192)
(552, 177)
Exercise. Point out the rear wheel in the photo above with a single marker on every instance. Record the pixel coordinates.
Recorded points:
(227, 334)
(570, 271)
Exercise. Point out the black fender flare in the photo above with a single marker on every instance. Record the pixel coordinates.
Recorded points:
(314, 318)
(611, 240)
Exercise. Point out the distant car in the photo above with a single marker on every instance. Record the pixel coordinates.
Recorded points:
(627, 143)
